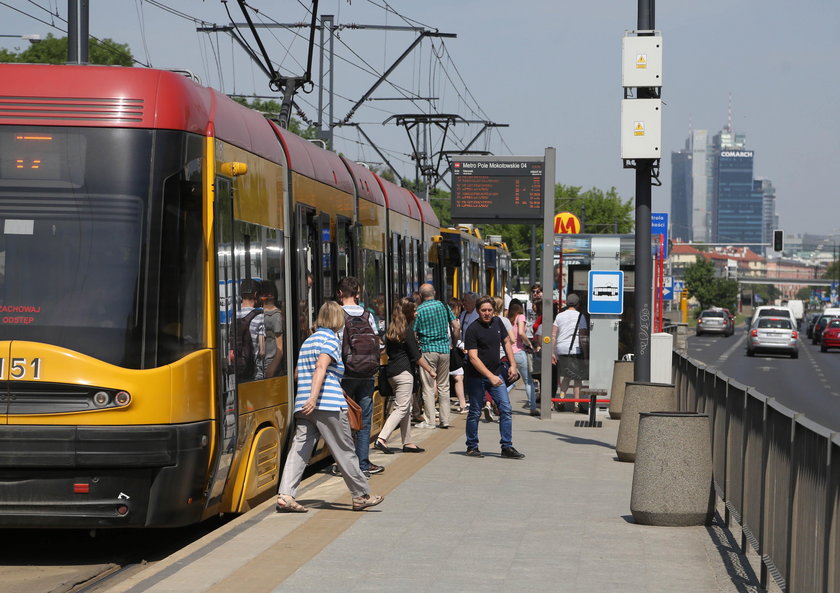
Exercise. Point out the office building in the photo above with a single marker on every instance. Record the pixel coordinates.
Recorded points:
(770, 220)
(690, 189)
(714, 194)
(681, 199)
(737, 206)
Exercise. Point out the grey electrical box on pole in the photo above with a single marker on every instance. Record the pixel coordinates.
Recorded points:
(641, 128)
(641, 59)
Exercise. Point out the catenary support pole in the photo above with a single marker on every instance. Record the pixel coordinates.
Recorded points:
(77, 31)
(533, 269)
(644, 275)
(547, 344)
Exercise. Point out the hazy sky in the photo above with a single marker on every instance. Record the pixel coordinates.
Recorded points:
(551, 70)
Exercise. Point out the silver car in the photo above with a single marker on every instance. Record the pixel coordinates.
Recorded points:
(774, 335)
(715, 321)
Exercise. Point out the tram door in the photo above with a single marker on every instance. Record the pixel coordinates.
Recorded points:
(226, 397)
(345, 248)
(314, 272)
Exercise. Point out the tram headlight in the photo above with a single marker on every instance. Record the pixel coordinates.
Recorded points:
(101, 399)
(123, 398)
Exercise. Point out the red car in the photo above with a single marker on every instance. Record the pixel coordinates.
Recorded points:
(831, 335)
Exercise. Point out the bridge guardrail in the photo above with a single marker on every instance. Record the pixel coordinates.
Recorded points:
(778, 474)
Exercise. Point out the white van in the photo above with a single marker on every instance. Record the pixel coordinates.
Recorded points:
(798, 308)
(773, 311)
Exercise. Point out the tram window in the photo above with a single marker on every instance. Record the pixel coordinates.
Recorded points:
(373, 285)
(395, 266)
(180, 321)
(259, 256)
(273, 301)
(344, 248)
(328, 261)
(412, 267)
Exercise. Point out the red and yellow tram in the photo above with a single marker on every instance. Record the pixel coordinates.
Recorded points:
(134, 203)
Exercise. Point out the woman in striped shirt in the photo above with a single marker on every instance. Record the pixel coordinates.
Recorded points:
(321, 410)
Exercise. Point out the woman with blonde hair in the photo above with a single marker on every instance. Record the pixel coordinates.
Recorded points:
(321, 410)
(403, 357)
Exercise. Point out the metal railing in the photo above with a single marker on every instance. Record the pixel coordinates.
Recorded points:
(778, 474)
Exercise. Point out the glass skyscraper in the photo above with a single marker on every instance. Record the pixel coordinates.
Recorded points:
(690, 188)
(681, 195)
(737, 207)
(714, 195)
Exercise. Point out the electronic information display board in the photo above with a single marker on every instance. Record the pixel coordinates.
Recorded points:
(497, 189)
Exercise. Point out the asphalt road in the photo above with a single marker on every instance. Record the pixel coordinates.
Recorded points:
(809, 384)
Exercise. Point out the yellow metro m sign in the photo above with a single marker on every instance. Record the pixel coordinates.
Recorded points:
(566, 223)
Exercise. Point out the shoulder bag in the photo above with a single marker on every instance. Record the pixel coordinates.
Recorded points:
(354, 413)
(575, 365)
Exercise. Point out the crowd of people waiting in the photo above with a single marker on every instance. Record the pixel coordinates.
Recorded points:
(475, 345)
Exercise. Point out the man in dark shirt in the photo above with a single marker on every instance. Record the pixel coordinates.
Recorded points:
(483, 341)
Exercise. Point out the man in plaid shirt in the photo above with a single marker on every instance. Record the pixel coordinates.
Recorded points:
(431, 325)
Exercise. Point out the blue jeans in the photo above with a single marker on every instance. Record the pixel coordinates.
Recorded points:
(475, 388)
(521, 358)
(361, 390)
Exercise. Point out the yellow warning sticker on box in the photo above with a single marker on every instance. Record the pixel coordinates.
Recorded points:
(641, 61)
(638, 128)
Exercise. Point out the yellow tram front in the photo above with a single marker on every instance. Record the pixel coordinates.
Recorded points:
(128, 228)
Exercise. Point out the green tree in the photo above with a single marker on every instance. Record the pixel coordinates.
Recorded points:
(766, 292)
(386, 174)
(272, 108)
(710, 291)
(53, 50)
(600, 212)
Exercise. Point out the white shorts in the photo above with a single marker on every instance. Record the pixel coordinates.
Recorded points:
(457, 372)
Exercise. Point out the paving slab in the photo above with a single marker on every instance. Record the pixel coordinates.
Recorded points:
(557, 521)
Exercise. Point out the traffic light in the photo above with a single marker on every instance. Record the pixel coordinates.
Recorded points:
(778, 240)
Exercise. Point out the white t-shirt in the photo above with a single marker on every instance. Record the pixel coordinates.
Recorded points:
(530, 318)
(565, 323)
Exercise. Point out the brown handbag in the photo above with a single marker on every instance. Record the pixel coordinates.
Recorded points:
(354, 413)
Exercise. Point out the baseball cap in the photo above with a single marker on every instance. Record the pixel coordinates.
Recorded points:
(572, 300)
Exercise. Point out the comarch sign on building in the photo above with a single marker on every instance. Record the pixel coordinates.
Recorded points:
(737, 153)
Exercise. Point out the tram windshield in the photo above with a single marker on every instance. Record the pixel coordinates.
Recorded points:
(100, 250)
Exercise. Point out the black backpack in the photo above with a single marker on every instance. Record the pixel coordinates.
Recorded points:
(241, 348)
(359, 346)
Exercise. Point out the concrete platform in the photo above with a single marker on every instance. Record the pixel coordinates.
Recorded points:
(557, 521)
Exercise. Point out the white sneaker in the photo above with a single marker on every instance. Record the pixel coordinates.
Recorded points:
(488, 414)
(424, 425)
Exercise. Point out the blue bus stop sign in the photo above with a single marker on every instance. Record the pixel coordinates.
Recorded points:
(606, 292)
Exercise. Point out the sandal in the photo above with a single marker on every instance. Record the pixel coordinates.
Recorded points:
(287, 504)
(382, 446)
(362, 502)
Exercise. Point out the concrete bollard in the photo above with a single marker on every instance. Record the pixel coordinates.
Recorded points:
(622, 373)
(640, 396)
(672, 478)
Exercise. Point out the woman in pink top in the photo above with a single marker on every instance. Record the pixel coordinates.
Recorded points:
(521, 344)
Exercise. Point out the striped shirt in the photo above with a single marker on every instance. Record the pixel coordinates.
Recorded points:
(331, 398)
(432, 326)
